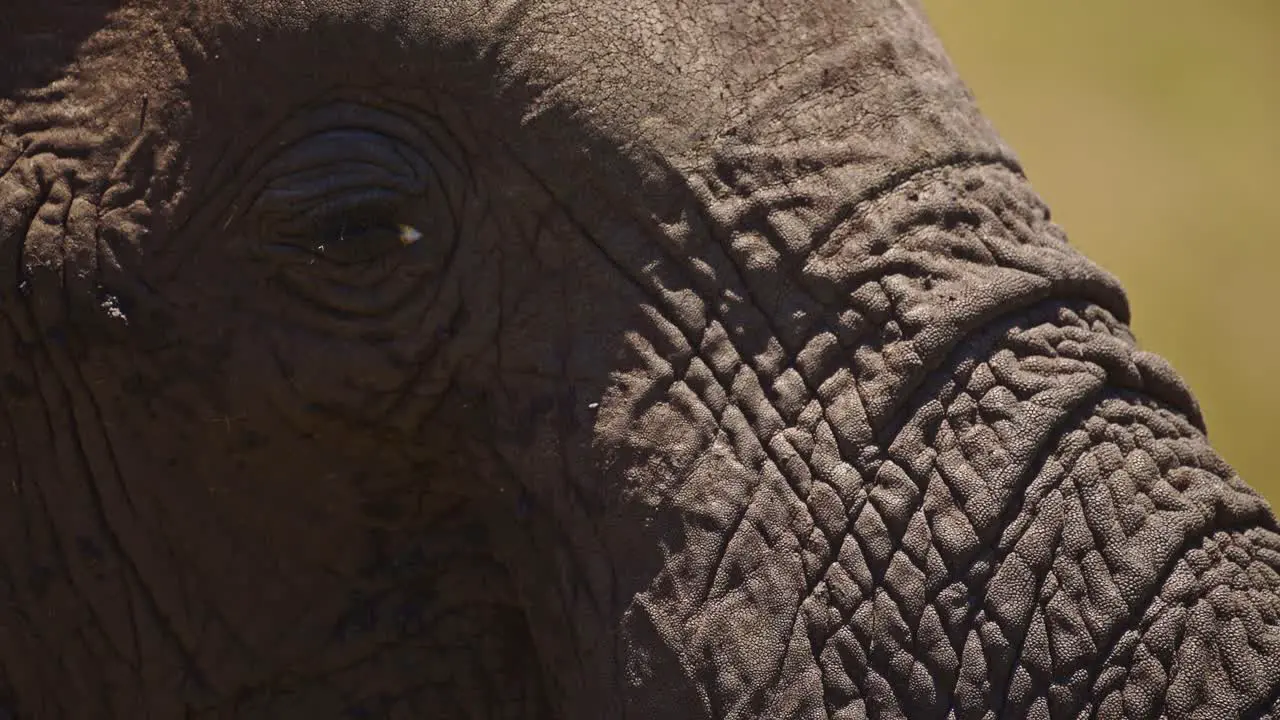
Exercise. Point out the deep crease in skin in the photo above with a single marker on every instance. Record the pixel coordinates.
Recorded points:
(80, 456)
(882, 190)
(994, 332)
(818, 577)
(1071, 422)
(1137, 614)
(1266, 707)
(99, 507)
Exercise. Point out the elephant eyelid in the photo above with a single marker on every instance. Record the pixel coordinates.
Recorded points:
(327, 173)
(349, 197)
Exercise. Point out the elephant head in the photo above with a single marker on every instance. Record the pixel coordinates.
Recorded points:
(577, 359)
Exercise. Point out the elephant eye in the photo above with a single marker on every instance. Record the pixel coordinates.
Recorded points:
(352, 238)
(348, 197)
(345, 233)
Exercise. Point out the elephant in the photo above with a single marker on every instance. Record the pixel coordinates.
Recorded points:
(578, 359)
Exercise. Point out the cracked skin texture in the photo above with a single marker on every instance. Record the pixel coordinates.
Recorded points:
(738, 373)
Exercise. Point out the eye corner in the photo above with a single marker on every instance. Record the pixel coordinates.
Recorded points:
(408, 234)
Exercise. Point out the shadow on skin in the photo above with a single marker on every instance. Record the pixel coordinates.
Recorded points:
(40, 39)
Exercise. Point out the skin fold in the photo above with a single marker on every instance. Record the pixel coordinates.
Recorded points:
(577, 359)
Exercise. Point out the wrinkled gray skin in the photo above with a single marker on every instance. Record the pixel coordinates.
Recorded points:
(737, 373)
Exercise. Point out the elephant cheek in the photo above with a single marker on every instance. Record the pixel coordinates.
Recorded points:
(307, 376)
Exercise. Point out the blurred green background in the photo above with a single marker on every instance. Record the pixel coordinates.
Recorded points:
(1152, 128)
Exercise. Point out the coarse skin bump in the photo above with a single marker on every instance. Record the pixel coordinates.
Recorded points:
(577, 359)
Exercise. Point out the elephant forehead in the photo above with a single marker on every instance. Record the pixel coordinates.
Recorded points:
(843, 82)
(674, 75)
(868, 77)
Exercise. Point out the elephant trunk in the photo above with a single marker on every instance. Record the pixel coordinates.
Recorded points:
(908, 458)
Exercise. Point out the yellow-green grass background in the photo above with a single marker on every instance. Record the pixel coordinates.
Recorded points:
(1152, 128)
